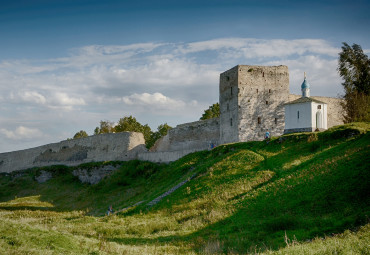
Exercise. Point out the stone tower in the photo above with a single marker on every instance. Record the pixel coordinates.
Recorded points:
(251, 102)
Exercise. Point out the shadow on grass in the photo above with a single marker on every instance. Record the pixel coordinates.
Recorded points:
(28, 208)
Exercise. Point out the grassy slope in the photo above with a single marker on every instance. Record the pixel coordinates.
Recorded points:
(246, 198)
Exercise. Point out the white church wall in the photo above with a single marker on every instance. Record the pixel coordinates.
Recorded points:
(293, 121)
(334, 108)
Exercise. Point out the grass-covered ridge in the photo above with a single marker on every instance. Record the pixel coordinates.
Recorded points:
(282, 197)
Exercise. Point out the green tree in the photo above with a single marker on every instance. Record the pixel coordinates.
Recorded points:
(212, 112)
(162, 130)
(80, 134)
(96, 131)
(105, 127)
(354, 68)
(130, 124)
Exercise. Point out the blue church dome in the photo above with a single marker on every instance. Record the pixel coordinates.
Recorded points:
(305, 84)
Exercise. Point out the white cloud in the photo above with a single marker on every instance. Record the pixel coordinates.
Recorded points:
(22, 132)
(321, 74)
(117, 49)
(259, 48)
(156, 100)
(164, 72)
(33, 97)
(65, 100)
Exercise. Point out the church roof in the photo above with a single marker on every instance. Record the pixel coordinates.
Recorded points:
(305, 100)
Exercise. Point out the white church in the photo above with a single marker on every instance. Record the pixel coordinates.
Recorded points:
(305, 114)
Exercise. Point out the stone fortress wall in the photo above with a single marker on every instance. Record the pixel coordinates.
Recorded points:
(105, 147)
(195, 135)
(184, 139)
(251, 101)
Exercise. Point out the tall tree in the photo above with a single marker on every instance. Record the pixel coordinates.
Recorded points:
(354, 68)
(162, 130)
(212, 112)
(105, 127)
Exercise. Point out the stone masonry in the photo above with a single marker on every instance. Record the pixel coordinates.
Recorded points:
(251, 101)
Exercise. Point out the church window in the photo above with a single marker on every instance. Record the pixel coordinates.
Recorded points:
(263, 74)
(227, 78)
(275, 121)
(257, 90)
(267, 102)
(319, 107)
(298, 114)
(231, 121)
(259, 120)
(269, 90)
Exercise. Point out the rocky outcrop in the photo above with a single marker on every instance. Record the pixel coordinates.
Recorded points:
(94, 175)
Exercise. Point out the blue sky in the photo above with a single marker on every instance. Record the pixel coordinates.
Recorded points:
(66, 65)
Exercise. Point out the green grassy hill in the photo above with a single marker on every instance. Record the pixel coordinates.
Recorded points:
(305, 193)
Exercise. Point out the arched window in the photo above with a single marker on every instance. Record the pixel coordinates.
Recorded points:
(298, 114)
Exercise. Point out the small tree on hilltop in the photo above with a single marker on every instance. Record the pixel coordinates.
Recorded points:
(212, 112)
(105, 127)
(354, 68)
(80, 134)
(130, 124)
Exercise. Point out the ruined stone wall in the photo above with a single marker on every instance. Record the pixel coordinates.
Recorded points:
(335, 110)
(105, 147)
(184, 139)
(194, 136)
